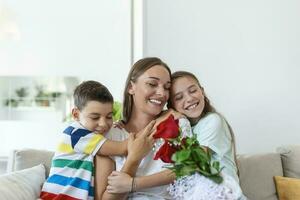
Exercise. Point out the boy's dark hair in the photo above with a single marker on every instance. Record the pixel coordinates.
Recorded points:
(91, 91)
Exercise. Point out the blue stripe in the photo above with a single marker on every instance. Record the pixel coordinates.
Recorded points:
(69, 130)
(76, 135)
(75, 182)
(91, 191)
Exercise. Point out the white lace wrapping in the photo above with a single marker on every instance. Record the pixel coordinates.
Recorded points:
(185, 127)
(198, 187)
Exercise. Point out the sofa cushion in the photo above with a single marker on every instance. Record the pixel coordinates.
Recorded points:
(256, 175)
(25, 158)
(290, 156)
(287, 188)
(23, 184)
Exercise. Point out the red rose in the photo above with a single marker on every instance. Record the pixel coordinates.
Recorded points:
(165, 152)
(167, 129)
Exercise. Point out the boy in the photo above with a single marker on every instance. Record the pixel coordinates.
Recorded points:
(72, 171)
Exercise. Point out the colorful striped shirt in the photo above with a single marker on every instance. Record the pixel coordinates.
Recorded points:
(72, 171)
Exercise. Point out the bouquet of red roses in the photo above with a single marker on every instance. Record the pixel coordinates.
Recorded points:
(184, 153)
(198, 177)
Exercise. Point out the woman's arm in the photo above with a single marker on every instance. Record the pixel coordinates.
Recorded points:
(104, 166)
(137, 148)
(161, 178)
(120, 182)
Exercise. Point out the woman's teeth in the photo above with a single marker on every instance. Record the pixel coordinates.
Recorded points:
(155, 101)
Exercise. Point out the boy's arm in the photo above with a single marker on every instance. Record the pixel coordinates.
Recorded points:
(120, 182)
(113, 148)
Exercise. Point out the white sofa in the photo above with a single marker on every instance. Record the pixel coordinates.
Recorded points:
(256, 171)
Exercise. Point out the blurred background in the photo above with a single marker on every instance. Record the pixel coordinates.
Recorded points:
(246, 54)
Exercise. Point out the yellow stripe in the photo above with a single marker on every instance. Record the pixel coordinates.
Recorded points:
(65, 148)
(92, 143)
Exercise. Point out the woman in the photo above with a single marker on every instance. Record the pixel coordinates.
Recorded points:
(146, 92)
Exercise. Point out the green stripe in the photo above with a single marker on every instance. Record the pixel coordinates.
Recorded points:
(93, 172)
(76, 164)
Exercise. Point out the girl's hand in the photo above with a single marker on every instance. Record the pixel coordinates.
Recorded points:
(173, 112)
(141, 143)
(119, 182)
(166, 114)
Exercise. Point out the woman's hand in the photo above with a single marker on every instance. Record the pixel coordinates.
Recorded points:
(138, 146)
(119, 124)
(119, 182)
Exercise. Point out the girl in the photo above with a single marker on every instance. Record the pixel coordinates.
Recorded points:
(212, 130)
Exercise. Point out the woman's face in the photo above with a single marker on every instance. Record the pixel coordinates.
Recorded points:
(187, 97)
(151, 90)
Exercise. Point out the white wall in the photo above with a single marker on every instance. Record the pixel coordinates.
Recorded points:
(245, 53)
(87, 39)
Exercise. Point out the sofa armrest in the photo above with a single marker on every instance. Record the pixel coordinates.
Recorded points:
(290, 157)
(256, 175)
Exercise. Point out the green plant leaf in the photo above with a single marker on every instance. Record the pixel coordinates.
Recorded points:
(182, 155)
(216, 178)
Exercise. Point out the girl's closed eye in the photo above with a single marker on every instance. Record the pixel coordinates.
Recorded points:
(193, 90)
(178, 97)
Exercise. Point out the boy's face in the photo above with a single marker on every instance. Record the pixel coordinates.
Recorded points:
(187, 97)
(95, 116)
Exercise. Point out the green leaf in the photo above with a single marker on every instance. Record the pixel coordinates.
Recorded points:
(216, 164)
(216, 178)
(187, 170)
(182, 155)
(199, 155)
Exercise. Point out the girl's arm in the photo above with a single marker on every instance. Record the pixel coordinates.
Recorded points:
(120, 182)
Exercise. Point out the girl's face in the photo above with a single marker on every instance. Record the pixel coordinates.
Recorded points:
(151, 90)
(187, 97)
